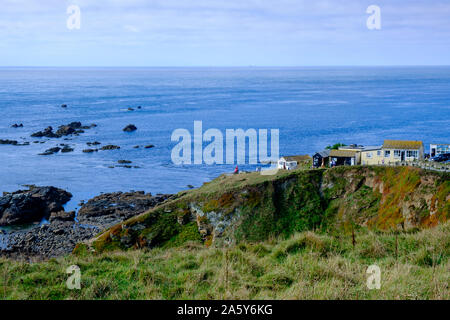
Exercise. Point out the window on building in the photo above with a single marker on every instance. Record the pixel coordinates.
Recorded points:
(387, 153)
(379, 153)
(369, 154)
(412, 153)
(397, 153)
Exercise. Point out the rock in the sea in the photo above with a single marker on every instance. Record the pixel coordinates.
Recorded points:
(110, 147)
(130, 128)
(64, 106)
(66, 149)
(47, 132)
(7, 141)
(124, 161)
(50, 151)
(28, 206)
(149, 146)
(111, 208)
(90, 150)
(15, 125)
(13, 142)
(95, 143)
(64, 130)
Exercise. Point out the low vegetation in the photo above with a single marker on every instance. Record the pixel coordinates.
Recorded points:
(306, 265)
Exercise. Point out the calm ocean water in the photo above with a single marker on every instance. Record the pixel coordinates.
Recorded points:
(312, 108)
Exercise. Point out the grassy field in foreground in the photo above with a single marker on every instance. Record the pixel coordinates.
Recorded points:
(305, 266)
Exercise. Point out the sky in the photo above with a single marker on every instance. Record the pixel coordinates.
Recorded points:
(224, 33)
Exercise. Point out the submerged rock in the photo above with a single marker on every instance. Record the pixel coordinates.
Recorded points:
(15, 125)
(28, 206)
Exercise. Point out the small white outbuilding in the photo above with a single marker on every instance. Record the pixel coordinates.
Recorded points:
(292, 162)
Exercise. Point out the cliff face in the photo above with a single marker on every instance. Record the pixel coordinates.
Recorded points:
(252, 207)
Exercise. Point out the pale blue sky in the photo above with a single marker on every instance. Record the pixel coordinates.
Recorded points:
(224, 33)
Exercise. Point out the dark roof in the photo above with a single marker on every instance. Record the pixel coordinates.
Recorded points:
(324, 153)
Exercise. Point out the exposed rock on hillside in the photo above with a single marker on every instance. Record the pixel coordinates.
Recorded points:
(110, 208)
(253, 207)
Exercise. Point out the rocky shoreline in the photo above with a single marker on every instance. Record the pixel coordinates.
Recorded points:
(54, 232)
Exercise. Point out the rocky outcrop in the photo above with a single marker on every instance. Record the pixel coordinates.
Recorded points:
(62, 233)
(62, 216)
(47, 132)
(28, 206)
(110, 208)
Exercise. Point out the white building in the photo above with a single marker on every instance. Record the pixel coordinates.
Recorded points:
(439, 148)
(292, 162)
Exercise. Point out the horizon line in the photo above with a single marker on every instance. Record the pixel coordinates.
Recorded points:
(231, 66)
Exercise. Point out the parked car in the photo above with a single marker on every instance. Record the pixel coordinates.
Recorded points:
(443, 157)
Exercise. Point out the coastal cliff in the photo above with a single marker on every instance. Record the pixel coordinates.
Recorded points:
(255, 207)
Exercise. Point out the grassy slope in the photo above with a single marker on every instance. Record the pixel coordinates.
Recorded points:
(304, 266)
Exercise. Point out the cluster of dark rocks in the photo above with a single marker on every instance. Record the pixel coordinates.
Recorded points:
(64, 149)
(64, 229)
(47, 241)
(73, 128)
(15, 125)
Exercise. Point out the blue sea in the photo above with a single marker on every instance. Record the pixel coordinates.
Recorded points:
(312, 108)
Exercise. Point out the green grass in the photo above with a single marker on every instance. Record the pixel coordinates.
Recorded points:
(306, 265)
